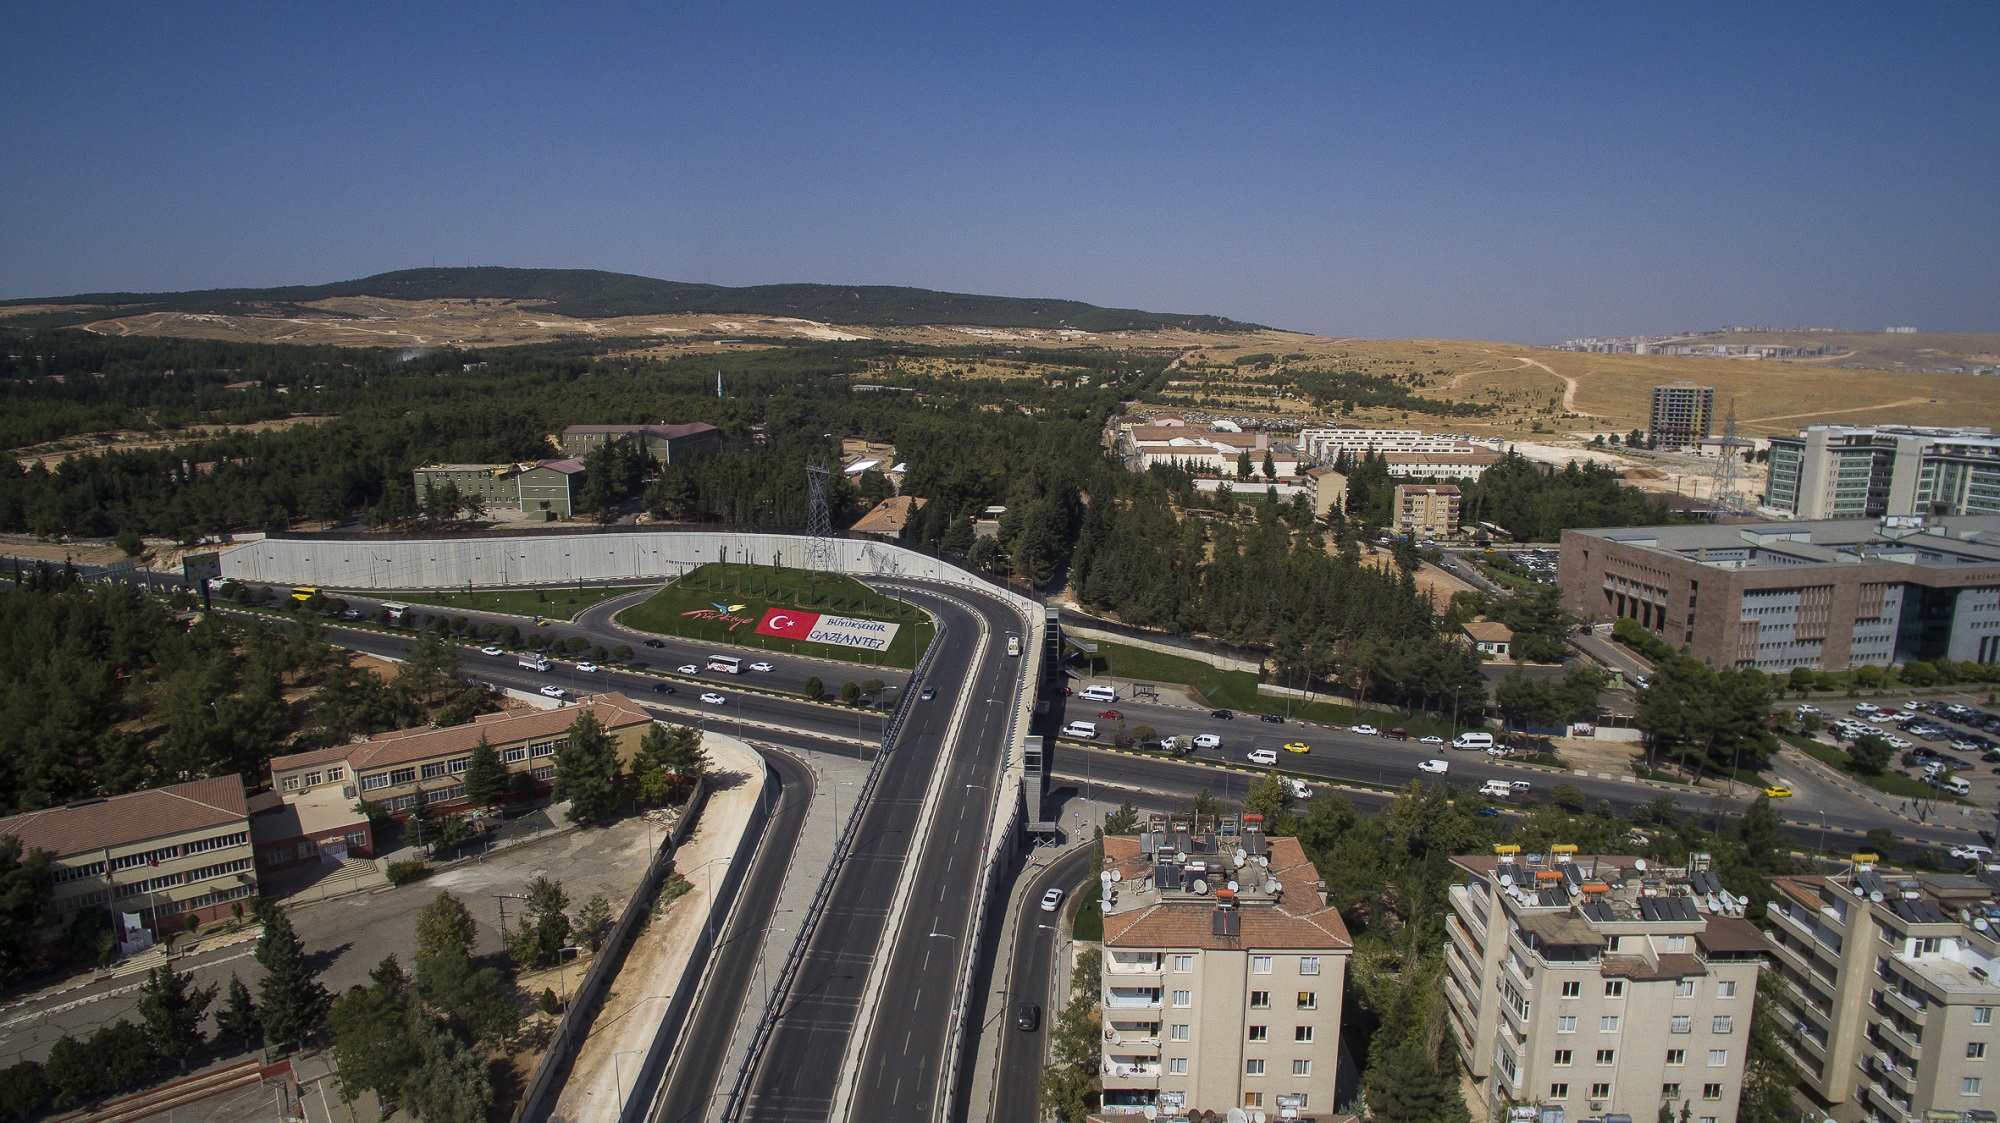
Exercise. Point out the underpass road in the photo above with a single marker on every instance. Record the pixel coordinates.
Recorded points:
(1029, 978)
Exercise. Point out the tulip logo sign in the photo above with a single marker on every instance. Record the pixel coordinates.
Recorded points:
(841, 631)
(723, 612)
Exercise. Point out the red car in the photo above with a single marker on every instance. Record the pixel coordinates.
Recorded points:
(1111, 715)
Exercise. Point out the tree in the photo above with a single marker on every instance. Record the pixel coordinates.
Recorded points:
(1870, 753)
(1068, 1091)
(467, 996)
(592, 919)
(850, 694)
(538, 940)
(814, 689)
(485, 775)
(444, 925)
(587, 771)
(1769, 1075)
(23, 1090)
(1203, 804)
(1881, 840)
(173, 1008)
(1568, 795)
(238, 1017)
(1243, 465)
(430, 670)
(1125, 820)
(372, 1046)
(26, 880)
(291, 1003)
(1406, 1084)
(1272, 798)
(450, 1083)
(1532, 702)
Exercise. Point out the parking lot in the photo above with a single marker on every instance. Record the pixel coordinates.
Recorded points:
(1950, 744)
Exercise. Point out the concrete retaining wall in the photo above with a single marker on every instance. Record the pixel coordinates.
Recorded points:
(1224, 662)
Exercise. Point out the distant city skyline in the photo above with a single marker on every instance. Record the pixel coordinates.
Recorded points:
(1457, 171)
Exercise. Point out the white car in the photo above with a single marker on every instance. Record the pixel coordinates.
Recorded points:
(1300, 789)
(1803, 710)
(1880, 718)
(1499, 750)
(586, 666)
(689, 669)
(713, 699)
(1964, 747)
(762, 667)
(1434, 767)
(554, 691)
(1433, 739)
(1976, 853)
(1263, 756)
(1898, 744)
(1052, 900)
(1213, 741)
(1364, 730)
(489, 649)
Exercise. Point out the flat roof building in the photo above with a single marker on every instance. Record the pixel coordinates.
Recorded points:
(534, 487)
(1205, 450)
(1427, 510)
(1774, 596)
(1853, 471)
(1682, 414)
(1467, 465)
(1593, 985)
(662, 441)
(1222, 976)
(1330, 444)
(888, 518)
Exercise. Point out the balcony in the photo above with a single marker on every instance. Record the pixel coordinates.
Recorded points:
(1126, 963)
(1122, 998)
(1466, 974)
(1802, 957)
(1889, 1031)
(1470, 911)
(1901, 1077)
(1898, 1000)
(1468, 1010)
(1129, 1071)
(1133, 1036)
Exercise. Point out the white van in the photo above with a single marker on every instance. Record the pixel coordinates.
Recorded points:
(1099, 694)
(1085, 730)
(1498, 789)
(1956, 786)
(1473, 741)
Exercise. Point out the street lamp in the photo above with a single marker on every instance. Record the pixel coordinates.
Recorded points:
(618, 1081)
(562, 974)
(763, 969)
(708, 890)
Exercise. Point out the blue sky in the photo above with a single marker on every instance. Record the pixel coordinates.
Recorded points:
(1525, 173)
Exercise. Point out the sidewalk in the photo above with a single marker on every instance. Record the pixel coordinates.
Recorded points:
(836, 779)
(138, 964)
(608, 1061)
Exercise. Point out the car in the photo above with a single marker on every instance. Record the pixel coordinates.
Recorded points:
(1898, 744)
(1865, 708)
(1300, 789)
(1052, 900)
(1027, 1017)
(1262, 756)
(662, 688)
(1520, 785)
(1225, 715)
(1641, 681)
(554, 691)
(1963, 746)
(1499, 750)
(1432, 739)
(1364, 730)
(1274, 719)
(1976, 853)
(1297, 747)
(927, 693)
(1207, 741)
(689, 669)
(711, 698)
(764, 667)
(1881, 718)
(654, 643)
(1803, 710)
(351, 614)
(1992, 757)
(1398, 734)
(1434, 767)
(1111, 715)
(587, 667)
(489, 649)
(1778, 791)
(1913, 705)
(1487, 813)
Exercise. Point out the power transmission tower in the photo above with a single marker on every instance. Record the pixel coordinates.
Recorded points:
(1724, 495)
(819, 524)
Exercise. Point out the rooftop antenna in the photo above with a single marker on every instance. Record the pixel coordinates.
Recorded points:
(1723, 496)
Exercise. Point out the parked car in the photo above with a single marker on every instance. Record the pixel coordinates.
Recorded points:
(1434, 767)
(1210, 741)
(1432, 739)
(689, 669)
(1364, 730)
(554, 691)
(1263, 756)
(1274, 719)
(1976, 853)
(1052, 900)
(1398, 734)
(762, 667)
(1500, 750)
(489, 649)
(713, 699)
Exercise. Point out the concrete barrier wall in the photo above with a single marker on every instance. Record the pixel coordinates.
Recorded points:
(1224, 662)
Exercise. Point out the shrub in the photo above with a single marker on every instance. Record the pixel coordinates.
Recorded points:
(406, 871)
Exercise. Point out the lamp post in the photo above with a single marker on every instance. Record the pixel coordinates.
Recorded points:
(617, 1080)
(562, 974)
(764, 970)
(708, 906)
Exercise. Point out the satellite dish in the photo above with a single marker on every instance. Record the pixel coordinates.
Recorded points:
(1150, 1112)
(1232, 887)
(1238, 1115)
(1277, 887)
(1107, 876)
(1507, 879)
(1715, 905)
(1240, 855)
(1264, 861)
(1258, 1117)
(1860, 892)
(1875, 896)
(1116, 876)
(1200, 887)
(1639, 864)
(1980, 923)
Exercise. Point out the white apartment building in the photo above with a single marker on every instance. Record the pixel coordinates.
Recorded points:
(1890, 991)
(1327, 445)
(1593, 986)
(1205, 450)
(1223, 969)
(1469, 464)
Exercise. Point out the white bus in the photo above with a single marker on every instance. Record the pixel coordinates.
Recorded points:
(727, 664)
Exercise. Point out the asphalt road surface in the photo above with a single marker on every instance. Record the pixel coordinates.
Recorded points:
(1017, 1083)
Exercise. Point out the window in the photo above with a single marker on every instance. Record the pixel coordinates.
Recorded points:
(311, 779)
(1600, 1090)
(1563, 1056)
(1308, 1000)
(1292, 1100)
(1982, 1015)
(1614, 988)
(1711, 1091)
(1975, 1050)
(335, 773)
(1180, 1033)
(1558, 1091)
(1969, 1086)
(459, 765)
(1253, 1067)
(1566, 1024)
(1725, 989)
(542, 748)
(1177, 1066)
(402, 775)
(1670, 1091)
(515, 755)
(433, 769)
(374, 782)
(1928, 945)
(543, 772)
(1253, 1099)
(1608, 1024)
(1302, 1033)
(1183, 998)
(1723, 1022)
(1572, 989)
(1260, 1033)
(1707, 1119)
(1718, 1057)
(1684, 989)
(1260, 1000)
(1183, 964)
(1302, 1068)
(1677, 943)
(1260, 965)
(1607, 1056)
(289, 783)
(1683, 1023)
(1677, 1056)
(1309, 965)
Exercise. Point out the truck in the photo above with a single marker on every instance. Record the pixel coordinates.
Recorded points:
(534, 662)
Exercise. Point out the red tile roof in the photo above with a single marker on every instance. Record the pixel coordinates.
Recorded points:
(121, 820)
(614, 711)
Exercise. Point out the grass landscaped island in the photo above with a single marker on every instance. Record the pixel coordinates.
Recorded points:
(746, 591)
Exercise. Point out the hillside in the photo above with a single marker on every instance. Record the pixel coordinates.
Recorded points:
(594, 294)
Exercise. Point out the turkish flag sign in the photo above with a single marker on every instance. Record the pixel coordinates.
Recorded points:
(787, 622)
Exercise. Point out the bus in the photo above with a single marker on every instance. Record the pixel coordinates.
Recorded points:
(727, 664)
(304, 592)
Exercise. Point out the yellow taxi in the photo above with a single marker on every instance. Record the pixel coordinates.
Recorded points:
(1777, 791)
(1297, 747)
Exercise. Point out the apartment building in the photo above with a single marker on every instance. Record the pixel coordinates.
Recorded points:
(536, 487)
(1223, 969)
(1890, 990)
(1327, 489)
(1593, 986)
(1330, 444)
(1205, 450)
(1682, 414)
(1854, 471)
(1469, 464)
(1427, 510)
(662, 442)
(163, 853)
(1825, 595)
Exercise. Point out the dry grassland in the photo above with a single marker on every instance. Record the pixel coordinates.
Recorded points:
(51, 453)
